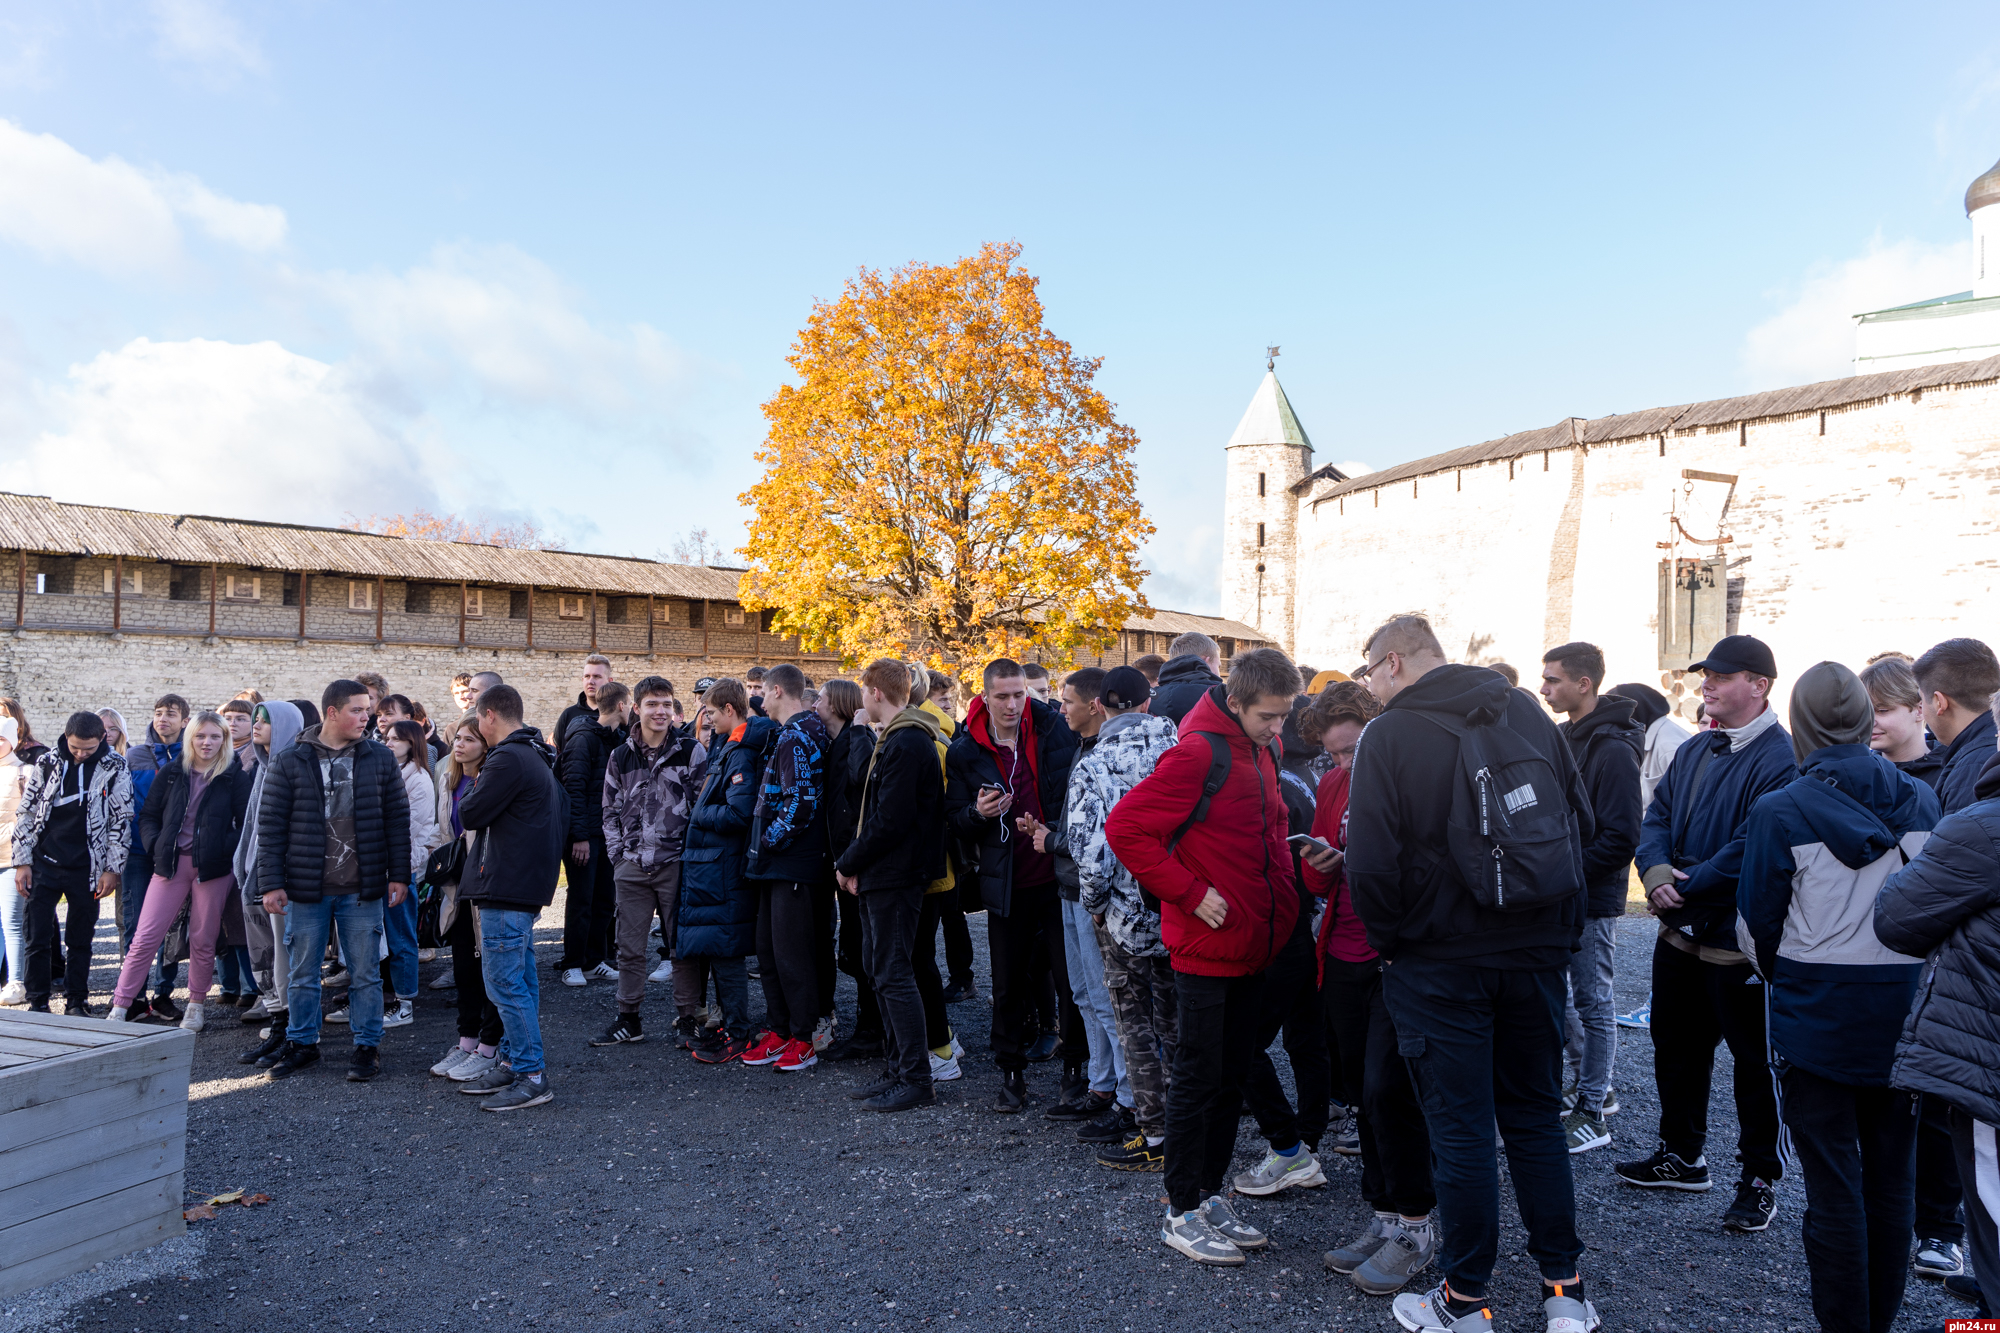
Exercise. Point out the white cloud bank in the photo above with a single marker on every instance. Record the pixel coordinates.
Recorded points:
(1812, 338)
(204, 36)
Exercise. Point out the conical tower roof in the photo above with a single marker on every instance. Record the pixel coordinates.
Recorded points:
(1269, 419)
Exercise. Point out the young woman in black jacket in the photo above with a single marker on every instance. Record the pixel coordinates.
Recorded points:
(193, 816)
(845, 771)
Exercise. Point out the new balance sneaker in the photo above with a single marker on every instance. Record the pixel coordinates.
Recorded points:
(1567, 1311)
(497, 1077)
(404, 1014)
(474, 1067)
(1938, 1258)
(945, 1069)
(1404, 1252)
(1642, 1017)
(602, 972)
(453, 1058)
(1585, 1131)
(1432, 1313)
(1277, 1171)
(625, 1029)
(824, 1032)
(1756, 1203)
(766, 1049)
(1357, 1251)
(1215, 1211)
(664, 972)
(1665, 1171)
(1344, 1137)
(1191, 1234)
(797, 1055)
(573, 976)
(721, 1052)
(1134, 1154)
(522, 1093)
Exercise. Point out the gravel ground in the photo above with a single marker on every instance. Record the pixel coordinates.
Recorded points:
(658, 1193)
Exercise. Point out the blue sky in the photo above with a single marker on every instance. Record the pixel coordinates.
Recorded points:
(314, 260)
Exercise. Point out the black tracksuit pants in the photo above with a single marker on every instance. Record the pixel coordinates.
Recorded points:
(53, 885)
(1219, 1019)
(478, 1018)
(1938, 1190)
(851, 960)
(1696, 1006)
(1023, 945)
(590, 909)
(1857, 1150)
(1290, 1002)
(785, 957)
(1395, 1145)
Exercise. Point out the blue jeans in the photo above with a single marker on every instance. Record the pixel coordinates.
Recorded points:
(1093, 1001)
(1592, 1038)
(507, 962)
(306, 928)
(400, 924)
(164, 971)
(14, 924)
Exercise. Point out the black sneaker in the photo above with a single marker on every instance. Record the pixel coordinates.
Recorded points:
(367, 1064)
(626, 1029)
(160, 1010)
(1133, 1155)
(961, 991)
(1044, 1048)
(1755, 1204)
(1964, 1286)
(1012, 1098)
(294, 1058)
(875, 1089)
(1114, 1126)
(856, 1046)
(1088, 1106)
(1075, 1085)
(265, 1053)
(1665, 1171)
(80, 1009)
(687, 1031)
(901, 1097)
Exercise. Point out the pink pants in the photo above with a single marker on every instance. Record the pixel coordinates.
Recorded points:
(163, 903)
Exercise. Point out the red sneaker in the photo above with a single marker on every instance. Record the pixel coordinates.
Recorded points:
(766, 1050)
(798, 1055)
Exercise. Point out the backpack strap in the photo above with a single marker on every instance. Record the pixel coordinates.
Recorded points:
(1218, 773)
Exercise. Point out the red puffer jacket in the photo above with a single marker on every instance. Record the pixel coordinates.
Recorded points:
(1239, 849)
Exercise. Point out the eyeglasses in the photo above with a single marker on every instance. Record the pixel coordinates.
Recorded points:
(1363, 673)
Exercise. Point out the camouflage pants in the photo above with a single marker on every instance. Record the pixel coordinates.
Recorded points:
(1144, 1006)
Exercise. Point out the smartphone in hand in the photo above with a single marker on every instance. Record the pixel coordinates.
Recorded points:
(1306, 842)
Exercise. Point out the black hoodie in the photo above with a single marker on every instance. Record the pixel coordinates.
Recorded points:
(516, 809)
(1404, 886)
(1608, 742)
(1182, 683)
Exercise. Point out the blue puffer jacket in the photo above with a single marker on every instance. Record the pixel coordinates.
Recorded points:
(1815, 854)
(1709, 826)
(1946, 905)
(1964, 760)
(716, 914)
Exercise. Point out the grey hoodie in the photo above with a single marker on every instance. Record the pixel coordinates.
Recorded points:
(286, 724)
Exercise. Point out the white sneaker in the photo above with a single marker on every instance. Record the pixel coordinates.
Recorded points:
(1277, 1171)
(337, 1016)
(945, 1070)
(191, 1019)
(604, 972)
(443, 981)
(452, 1059)
(14, 992)
(823, 1032)
(957, 1051)
(573, 976)
(401, 1016)
(664, 972)
(117, 1014)
(426, 955)
(1191, 1234)
(472, 1066)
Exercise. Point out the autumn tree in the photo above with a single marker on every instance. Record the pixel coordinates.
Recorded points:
(426, 526)
(944, 481)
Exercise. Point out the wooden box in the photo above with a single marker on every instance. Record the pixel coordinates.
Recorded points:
(93, 1136)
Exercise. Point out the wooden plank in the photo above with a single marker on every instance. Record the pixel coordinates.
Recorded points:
(86, 1180)
(9, 1061)
(162, 1090)
(116, 1031)
(151, 1199)
(68, 1075)
(65, 1036)
(25, 1274)
(55, 1154)
(39, 1050)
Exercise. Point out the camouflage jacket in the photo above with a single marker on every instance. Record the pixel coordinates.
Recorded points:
(648, 795)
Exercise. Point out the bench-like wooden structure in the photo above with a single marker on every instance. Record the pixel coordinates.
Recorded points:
(93, 1137)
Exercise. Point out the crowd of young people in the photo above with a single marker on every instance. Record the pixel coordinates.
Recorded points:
(1412, 877)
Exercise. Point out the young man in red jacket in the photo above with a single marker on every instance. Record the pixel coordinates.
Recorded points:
(1227, 905)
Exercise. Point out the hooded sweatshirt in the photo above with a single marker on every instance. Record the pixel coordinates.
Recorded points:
(1608, 743)
(1815, 855)
(286, 724)
(899, 837)
(1964, 759)
(1407, 889)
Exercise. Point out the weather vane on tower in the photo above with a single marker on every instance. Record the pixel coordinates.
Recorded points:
(1270, 358)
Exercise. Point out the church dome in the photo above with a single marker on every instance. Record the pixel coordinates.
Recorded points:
(1984, 191)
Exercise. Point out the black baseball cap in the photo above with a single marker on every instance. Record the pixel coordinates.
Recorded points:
(1124, 688)
(1739, 652)
(704, 685)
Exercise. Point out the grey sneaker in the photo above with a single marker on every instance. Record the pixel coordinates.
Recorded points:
(337, 1016)
(1277, 1171)
(522, 1093)
(1403, 1255)
(473, 1066)
(1191, 1234)
(1427, 1314)
(1355, 1253)
(1584, 1131)
(401, 1016)
(1215, 1211)
(1567, 1314)
(1938, 1258)
(497, 1078)
(453, 1058)
(1344, 1138)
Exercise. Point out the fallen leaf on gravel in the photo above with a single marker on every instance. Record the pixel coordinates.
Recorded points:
(252, 1200)
(231, 1196)
(201, 1212)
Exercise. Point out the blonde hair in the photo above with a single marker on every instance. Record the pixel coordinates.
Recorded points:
(1891, 683)
(224, 757)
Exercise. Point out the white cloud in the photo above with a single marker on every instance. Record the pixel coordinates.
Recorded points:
(109, 214)
(1812, 338)
(1352, 468)
(24, 53)
(160, 425)
(203, 35)
(499, 323)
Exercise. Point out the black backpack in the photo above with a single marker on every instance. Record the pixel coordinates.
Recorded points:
(1511, 834)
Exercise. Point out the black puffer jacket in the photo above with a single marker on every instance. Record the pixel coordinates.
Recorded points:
(1965, 761)
(218, 820)
(589, 743)
(515, 809)
(291, 821)
(1182, 683)
(1608, 742)
(846, 770)
(1945, 906)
